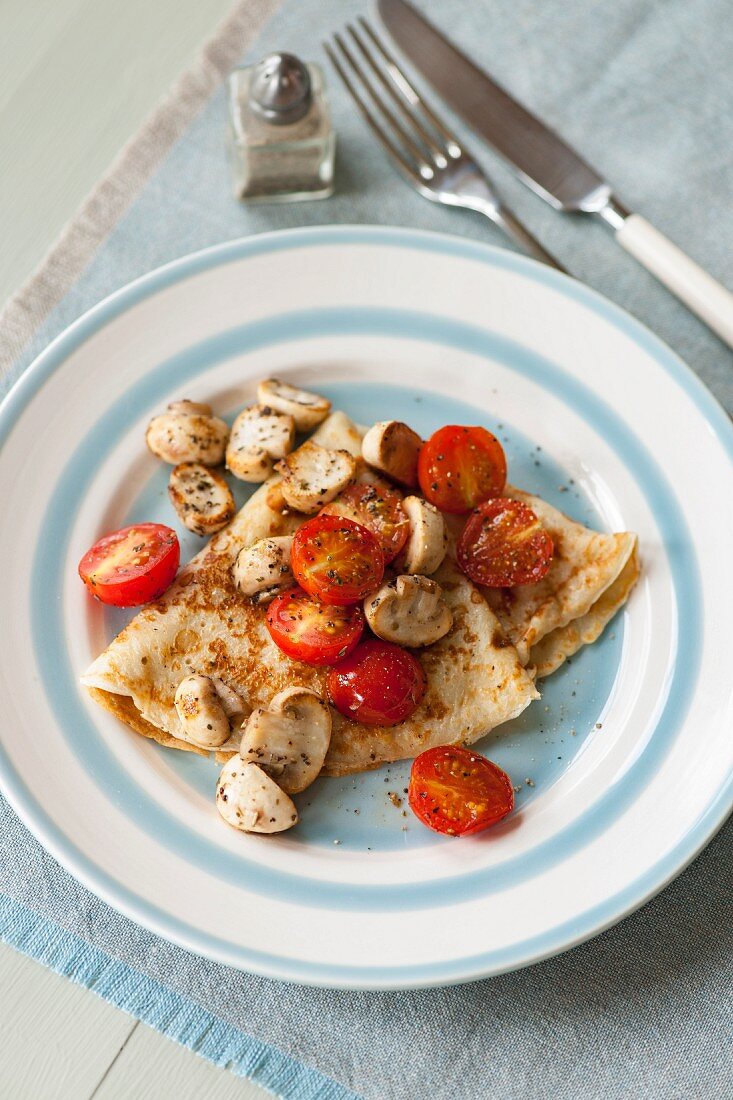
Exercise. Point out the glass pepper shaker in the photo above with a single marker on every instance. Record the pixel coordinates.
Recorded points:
(281, 143)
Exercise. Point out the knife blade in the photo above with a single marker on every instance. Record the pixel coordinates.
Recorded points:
(547, 164)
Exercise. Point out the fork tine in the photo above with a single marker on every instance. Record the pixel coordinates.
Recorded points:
(398, 99)
(396, 155)
(421, 165)
(408, 90)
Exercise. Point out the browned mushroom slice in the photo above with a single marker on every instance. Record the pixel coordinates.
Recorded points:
(313, 475)
(188, 432)
(393, 448)
(260, 435)
(263, 569)
(201, 497)
(307, 409)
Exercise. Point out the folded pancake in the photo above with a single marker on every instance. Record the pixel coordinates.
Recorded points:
(203, 625)
(555, 648)
(585, 566)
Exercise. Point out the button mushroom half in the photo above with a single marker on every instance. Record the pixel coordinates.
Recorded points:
(290, 739)
(427, 542)
(204, 713)
(313, 475)
(190, 408)
(249, 800)
(307, 409)
(234, 706)
(201, 497)
(188, 432)
(410, 611)
(263, 569)
(393, 448)
(260, 435)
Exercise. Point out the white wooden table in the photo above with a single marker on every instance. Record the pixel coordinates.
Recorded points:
(62, 1042)
(79, 77)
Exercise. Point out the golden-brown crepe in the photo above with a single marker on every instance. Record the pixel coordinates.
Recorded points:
(551, 651)
(203, 625)
(479, 675)
(585, 565)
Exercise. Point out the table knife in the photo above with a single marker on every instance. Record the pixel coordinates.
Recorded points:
(548, 165)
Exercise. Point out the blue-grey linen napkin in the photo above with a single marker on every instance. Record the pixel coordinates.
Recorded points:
(644, 90)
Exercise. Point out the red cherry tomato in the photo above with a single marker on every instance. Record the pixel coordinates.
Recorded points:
(457, 792)
(504, 544)
(379, 684)
(379, 510)
(460, 467)
(131, 566)
(310, 631)
(336, 560)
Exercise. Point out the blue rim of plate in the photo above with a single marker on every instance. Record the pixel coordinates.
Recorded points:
(550, 942)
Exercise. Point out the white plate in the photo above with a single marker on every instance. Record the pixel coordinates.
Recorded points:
(629, 752)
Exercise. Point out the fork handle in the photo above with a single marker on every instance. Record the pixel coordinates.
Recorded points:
(518, 232)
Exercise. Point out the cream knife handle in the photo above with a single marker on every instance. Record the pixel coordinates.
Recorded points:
(699, 291)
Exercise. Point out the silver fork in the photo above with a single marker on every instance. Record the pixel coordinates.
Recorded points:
(419, 144)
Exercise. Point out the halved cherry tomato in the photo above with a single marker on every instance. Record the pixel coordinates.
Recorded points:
(379, 684)
(310, 631)
(337, 560)
(460, 467)
(131, 566)
(458, 792)
(504, 544)
(378, 509)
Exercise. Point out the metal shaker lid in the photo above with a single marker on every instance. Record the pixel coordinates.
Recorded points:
(280, 90)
